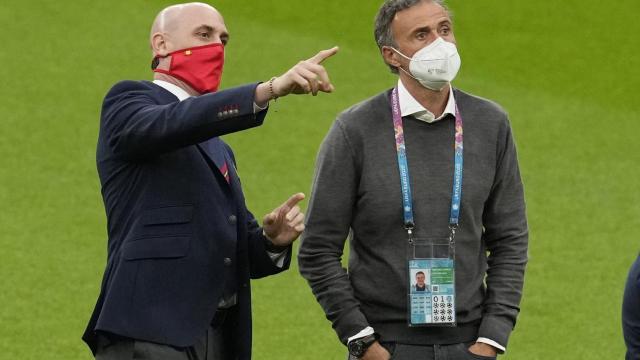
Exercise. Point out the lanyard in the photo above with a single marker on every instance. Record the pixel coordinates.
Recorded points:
(403, 166)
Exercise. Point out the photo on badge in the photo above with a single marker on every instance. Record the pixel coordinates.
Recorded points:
(420, 280)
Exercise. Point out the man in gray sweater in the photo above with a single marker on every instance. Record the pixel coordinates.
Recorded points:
(390, 196)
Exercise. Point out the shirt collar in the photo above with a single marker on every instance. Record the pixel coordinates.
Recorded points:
(410, 106)
(175, 90)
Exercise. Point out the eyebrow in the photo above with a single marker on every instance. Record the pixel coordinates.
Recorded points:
(205, 28)
(428, 28)
(209, 29)
(421, 29)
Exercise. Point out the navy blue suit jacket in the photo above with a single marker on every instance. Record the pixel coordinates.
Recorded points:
(631, 312)
(176, 227)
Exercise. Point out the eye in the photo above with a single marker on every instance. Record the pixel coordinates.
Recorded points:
(203, 35)
(421, 35)
(445, 30)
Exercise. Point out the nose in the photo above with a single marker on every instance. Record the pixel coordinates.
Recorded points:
(433, 36)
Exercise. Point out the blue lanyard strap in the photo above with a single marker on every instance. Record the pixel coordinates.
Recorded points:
(403, 166)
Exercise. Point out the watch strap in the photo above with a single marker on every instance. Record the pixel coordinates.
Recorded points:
(357, 347)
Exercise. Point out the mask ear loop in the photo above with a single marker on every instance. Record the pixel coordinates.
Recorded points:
(156, 60)
(408, 73)
(406, 57)
(399, 53)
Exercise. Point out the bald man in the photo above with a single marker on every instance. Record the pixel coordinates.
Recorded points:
(182, 246)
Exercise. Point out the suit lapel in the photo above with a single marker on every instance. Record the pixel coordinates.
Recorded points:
(213, 149)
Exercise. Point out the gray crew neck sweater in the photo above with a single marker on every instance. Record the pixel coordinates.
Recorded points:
(356, 193)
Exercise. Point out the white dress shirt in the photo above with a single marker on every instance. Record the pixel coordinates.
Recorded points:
(179, 92)
(410, 106)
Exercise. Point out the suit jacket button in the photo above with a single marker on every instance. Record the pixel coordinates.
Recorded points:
(227, 262)
(233, 219)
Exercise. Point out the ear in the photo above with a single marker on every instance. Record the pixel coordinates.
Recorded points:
(159, 44)
(390, 56)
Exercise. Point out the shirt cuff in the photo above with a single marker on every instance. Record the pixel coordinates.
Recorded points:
(278, 258)
(500, 348)
(365, 332)
(257, 109)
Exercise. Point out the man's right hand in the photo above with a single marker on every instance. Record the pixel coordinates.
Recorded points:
(376, 352)
(307, 76)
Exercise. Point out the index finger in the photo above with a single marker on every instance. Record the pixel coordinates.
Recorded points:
(323, 55)
(293, 200)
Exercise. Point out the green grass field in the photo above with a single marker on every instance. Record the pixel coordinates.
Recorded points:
(567, 72)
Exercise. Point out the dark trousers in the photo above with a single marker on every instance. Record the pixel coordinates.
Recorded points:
(433, 352)
(215, 344)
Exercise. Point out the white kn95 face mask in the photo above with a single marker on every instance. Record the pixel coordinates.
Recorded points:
(435, 65)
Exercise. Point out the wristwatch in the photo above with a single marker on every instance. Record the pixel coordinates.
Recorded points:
(358, 347)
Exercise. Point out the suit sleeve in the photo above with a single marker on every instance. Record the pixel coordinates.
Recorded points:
(328, 223)
(135, 126)
(506, 237)
(631, 311)
(261, 263)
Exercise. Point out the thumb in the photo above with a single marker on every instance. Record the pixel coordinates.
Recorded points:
(293, 201)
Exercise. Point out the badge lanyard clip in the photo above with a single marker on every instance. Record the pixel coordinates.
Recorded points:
(452, 234)
(409, 228)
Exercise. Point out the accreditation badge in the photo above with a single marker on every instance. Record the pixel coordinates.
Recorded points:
(431, 282)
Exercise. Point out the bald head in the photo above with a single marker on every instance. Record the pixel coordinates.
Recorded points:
(186, 25)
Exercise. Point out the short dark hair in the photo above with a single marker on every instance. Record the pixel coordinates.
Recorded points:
(419, 272)
(382, 31)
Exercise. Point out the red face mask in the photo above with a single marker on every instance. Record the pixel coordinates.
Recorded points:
(200, 67)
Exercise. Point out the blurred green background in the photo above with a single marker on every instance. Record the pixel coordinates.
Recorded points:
(567, 72)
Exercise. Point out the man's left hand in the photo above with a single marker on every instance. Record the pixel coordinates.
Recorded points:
(284, 224)
(483, 349)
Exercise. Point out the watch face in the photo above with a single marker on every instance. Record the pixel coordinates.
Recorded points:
(356, 347)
